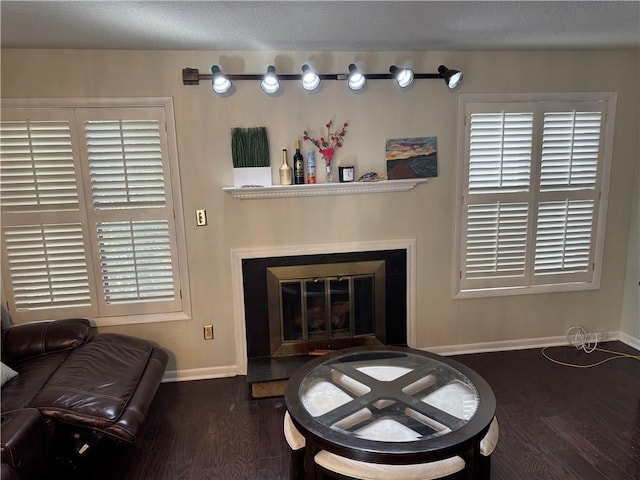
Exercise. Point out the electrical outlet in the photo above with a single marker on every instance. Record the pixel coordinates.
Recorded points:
(208, 332)
(201, 217)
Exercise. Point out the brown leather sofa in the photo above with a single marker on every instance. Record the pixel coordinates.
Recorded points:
(74, 384)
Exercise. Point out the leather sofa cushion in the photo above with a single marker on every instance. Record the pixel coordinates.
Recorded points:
(93, 386)
(32, 376)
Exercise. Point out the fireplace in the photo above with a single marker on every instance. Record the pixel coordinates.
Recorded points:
(326, 306)
(320, 302)
(249, 291)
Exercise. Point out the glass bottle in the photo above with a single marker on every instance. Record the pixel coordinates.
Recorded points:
(311, 166)
(298, 166)
(285, 170)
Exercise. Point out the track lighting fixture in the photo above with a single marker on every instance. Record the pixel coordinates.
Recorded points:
(310, 79)
(403, 76)
(219, 82)
(451, 77)
(270, 83)
(356, 80)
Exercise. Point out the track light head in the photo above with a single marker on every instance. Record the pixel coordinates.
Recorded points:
(219, 82)
(356, 80)
(403, 76)
(270, 83)
(310, 79)
(451, 77)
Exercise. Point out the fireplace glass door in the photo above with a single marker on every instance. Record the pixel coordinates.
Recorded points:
(317, 307)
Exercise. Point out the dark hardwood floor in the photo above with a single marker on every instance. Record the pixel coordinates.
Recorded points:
(555, 422)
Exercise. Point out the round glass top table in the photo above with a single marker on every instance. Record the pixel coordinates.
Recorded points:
(393, 405)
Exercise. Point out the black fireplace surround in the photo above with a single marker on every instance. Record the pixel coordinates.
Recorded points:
(255, 293)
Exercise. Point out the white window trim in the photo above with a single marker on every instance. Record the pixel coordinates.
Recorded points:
(172, 146)
(611, 99)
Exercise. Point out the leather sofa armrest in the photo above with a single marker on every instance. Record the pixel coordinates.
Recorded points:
(20, 342)
(7, 473)
(24, 445)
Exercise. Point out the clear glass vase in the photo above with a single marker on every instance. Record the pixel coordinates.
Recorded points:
(329, 175)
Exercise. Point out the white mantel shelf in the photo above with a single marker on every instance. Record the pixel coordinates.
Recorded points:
(324, 189)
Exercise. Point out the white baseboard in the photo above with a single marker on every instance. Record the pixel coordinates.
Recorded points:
(539, 342)
(498, 346)
(462, 349)
(200, 373)
(629, 340)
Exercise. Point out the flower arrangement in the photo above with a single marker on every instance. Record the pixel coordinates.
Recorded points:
(327, 145)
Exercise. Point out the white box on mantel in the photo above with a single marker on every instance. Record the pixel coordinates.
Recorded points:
(252, 177)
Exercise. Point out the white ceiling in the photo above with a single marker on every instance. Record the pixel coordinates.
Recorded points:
(320, 25)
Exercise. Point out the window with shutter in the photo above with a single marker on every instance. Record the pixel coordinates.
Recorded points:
(533, 177)
(91, 217)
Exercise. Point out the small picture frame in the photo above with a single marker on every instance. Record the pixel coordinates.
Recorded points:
(346, 174)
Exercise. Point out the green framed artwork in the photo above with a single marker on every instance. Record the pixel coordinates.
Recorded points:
(412, 158)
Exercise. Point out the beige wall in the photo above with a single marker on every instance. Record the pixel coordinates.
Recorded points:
(383, 111)
(630, 324)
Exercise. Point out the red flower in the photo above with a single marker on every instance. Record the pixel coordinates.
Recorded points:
(328, 144)
(327, 153)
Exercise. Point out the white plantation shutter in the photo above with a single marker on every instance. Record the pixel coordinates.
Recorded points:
(568, 193)
(48, 267)
(132, 214)
(88, 213)
(570, 150)
(500, 152)
(37, 167)
(125, 161)
(497, 208)
(563, 237)
(45, 241)
(496, 240)
(531, 194)
(135, 260)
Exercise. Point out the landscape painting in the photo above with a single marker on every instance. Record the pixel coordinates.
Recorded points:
(412, 158)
